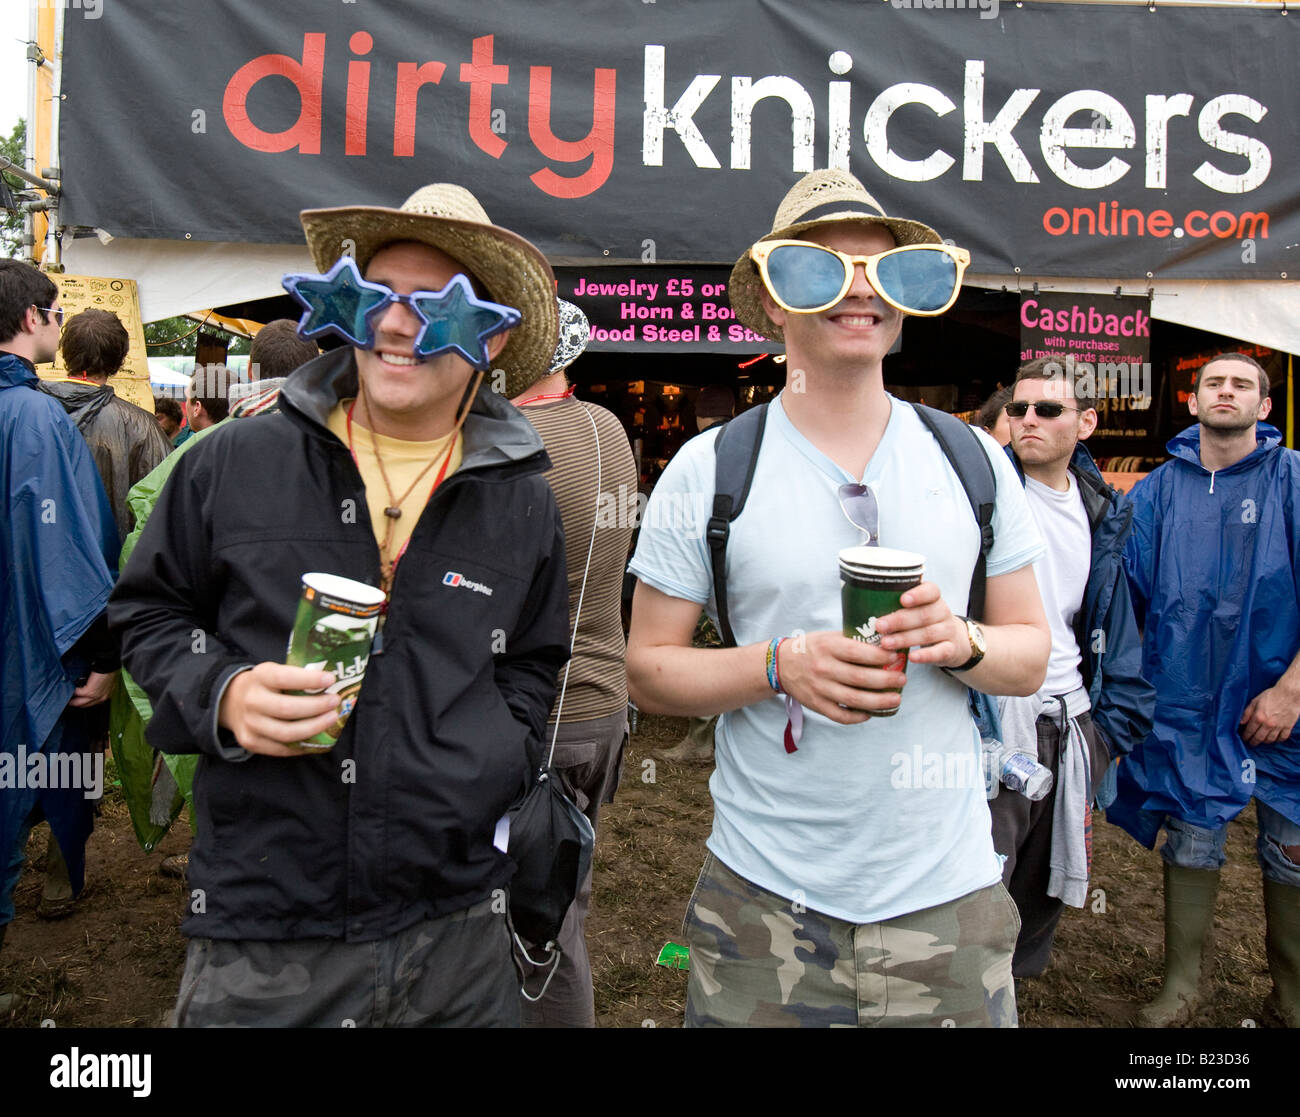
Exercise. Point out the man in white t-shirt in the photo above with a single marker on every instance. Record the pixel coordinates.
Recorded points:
(1094, 703)
(851, 877)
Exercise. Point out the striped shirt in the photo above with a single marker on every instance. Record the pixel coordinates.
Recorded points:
(597, 684)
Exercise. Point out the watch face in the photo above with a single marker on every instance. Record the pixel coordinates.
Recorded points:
(976, 636)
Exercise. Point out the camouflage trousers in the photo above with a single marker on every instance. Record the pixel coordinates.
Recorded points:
(453, 971)
(758, 961)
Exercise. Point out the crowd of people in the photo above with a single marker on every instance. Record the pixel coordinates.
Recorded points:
(1141, 654)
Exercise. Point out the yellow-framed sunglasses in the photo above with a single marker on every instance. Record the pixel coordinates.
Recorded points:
(807, 278)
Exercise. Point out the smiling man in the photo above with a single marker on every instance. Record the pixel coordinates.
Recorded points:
(1216, 585)
(833, 892)
(364, 884)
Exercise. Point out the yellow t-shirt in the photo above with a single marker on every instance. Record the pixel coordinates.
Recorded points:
(403, 462)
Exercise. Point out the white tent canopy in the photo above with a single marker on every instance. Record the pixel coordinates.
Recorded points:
(175, 277)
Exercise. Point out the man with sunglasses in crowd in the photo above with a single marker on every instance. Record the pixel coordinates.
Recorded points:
(840, 886)
(1214, 565)
(365, 885)
(57, 543)
(1094, 704)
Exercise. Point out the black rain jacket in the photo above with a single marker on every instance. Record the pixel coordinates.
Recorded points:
(396, 823)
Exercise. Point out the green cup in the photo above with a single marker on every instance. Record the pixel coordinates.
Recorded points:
(872, 579)
(333, 630)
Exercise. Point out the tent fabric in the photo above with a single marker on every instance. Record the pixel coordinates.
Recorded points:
(176, 277)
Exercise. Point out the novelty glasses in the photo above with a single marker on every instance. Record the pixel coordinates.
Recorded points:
(1044, 409)
(807, 278)
(453, 319)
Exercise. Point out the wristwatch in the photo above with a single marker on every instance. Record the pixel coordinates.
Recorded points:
(978, 646)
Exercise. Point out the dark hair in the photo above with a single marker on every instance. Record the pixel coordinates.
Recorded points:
(987, 416)
(277, 350)
(22, 286)
(1053, 368)
(169, 407)
(208, 386)
(715, 402)
(94, 342)
(1263, 376)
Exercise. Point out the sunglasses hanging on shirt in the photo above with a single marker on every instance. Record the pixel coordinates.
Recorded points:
(807, 278)
(451, 320)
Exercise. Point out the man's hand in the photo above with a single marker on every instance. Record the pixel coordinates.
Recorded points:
(266, 720)
(827, 671)
(926, 625)
(96, 689)
(1270, 717)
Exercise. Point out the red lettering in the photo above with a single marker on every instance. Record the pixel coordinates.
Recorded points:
(598, 143)
(307, 76)
(354, 134)
(1198, 215)
(410, 79)
(481, 76)
(1159, 223)
(1217, 227)
(1055, 214)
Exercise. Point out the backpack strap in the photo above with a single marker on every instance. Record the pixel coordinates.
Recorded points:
(736, 453)
(961, 445)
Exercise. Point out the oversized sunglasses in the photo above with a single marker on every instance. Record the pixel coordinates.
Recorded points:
(807, 278)
(453, 319)
(858, 503)
(1044, 409)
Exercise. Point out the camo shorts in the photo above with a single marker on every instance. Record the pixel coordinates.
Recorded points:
(758, 961)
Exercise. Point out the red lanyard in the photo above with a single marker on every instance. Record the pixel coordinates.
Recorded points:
(552, 395)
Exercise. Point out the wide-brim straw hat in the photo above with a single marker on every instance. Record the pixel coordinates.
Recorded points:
(819, 198)
(448, 217)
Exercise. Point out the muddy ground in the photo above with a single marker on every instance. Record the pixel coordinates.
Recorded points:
(116, 961)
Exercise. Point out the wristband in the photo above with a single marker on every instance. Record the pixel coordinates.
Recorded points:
(772, 679)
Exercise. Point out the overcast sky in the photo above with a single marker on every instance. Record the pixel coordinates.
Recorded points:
(13, 63)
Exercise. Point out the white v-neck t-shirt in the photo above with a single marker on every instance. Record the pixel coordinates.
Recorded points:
(1062, 575)
(863, 822)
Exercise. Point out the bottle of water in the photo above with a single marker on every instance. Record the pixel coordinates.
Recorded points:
(1003, 764)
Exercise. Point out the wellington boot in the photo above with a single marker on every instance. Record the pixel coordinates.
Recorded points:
(696, 746)
(57, 898)
(1189, 923)
(1282, 943)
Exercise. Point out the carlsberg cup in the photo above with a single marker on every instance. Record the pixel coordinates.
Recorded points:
(872, 579)
(332, 632)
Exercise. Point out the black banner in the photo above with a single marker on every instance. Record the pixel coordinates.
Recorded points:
(659, 309)
(1048, 139)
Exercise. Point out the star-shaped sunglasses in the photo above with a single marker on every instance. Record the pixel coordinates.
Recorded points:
(452, 320)
(807, 278)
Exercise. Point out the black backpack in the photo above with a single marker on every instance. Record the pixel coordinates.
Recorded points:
(736, 449)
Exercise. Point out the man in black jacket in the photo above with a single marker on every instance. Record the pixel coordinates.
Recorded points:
(365, 884)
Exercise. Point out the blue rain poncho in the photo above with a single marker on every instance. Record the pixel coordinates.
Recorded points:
(1212, 563)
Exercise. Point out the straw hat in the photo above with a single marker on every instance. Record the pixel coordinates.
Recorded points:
(818, 198)
(448, 217)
